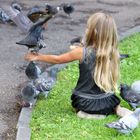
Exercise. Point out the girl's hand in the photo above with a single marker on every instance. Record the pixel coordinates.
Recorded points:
(31, 56)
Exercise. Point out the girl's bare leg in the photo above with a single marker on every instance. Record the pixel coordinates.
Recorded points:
(122, 111)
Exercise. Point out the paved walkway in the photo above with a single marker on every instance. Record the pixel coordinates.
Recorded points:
(61, 29)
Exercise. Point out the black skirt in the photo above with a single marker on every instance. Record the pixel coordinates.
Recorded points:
(104, 104)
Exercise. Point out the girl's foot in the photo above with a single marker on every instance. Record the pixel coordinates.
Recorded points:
(84, 115)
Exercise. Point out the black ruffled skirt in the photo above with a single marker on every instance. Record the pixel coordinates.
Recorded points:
(104, 104)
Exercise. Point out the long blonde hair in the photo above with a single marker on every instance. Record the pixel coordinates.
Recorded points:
(101, 33)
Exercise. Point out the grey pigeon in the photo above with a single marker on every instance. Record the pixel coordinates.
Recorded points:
(136, 86)
(130, 96)
(32, 71)
(16, 6)
(67, 8)
(76, 40)
(123, 56)
(34, 38)
(46, 81)
(51, 9)
(126, 124)
(36, 12)
(3, 15)
(29, 94)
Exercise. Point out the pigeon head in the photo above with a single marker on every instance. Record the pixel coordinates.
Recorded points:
(124, 89)
(53, 72)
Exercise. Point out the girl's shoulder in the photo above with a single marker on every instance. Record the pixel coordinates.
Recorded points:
(89, 55)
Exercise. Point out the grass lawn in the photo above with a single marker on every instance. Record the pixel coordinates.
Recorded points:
(54, 119)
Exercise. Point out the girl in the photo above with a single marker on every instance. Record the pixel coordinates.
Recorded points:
(98, 66)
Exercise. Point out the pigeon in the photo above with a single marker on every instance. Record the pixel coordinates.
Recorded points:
(126, 124)
(52, 9)
(136, 86)
(123, 56)
(4, 18)
(67, 8)
(16, 6)
(36, 12)
(29, 94)
(46, 81)
(76, 40)
(32, 71)
(34, 39)
(130, 96)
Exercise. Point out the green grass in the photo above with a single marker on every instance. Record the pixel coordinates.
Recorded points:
(54, 119)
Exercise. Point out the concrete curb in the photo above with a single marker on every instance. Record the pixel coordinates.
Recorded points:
(23, 129)
(129, 32)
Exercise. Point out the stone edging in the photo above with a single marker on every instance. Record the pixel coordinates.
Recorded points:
(23, 129)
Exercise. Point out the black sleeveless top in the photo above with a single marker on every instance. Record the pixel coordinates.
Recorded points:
(87, 96)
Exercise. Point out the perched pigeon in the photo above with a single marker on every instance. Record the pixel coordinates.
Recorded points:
(130, 96)
(136, 86)
(68, 8)
(126, 124)
(46, 81)
(34, 39)
(29, 94)
(32, 71)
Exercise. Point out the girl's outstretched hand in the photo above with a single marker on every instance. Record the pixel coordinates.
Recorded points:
(31, 56)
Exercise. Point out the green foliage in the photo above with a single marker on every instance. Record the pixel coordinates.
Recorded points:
(130, 67)
(54, 119)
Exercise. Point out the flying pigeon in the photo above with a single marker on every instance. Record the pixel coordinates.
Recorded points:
(32, 71)
(136, 86)
(67, 8)
(29, 94)
(34, 39)
(46, 81)
(16, 6)
(130, 96)
(36, 12)
(3, 15)
(51, 9)
(126, 124)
